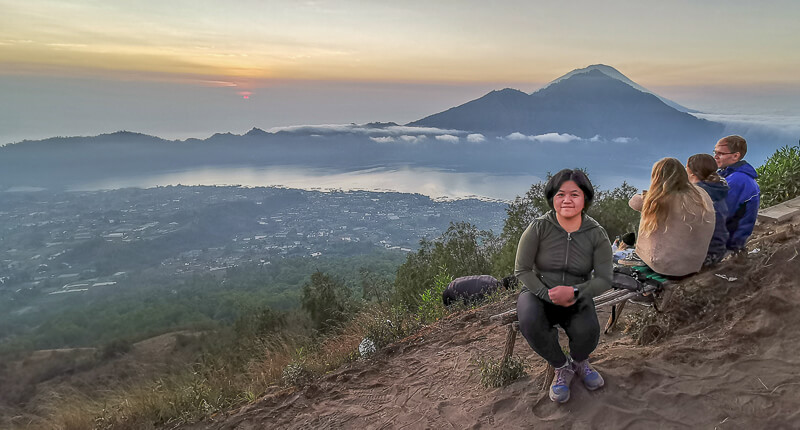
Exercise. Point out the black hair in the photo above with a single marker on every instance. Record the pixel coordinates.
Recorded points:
(629, 238)
(577, 176)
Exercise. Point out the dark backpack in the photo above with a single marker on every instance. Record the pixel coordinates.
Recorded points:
(637, 279)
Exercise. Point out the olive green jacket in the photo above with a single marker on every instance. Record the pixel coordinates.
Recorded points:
(548, 256)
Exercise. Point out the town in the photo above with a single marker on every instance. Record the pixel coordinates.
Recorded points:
(70, 242)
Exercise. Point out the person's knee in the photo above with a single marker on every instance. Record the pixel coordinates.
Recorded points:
(531, 315)
(587, 335)
(585, 329)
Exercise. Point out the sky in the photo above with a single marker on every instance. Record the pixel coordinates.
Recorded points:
(181, 68)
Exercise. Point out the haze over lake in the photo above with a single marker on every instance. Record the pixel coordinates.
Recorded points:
(434, 183)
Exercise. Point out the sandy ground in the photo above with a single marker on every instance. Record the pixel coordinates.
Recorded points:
(734, 365)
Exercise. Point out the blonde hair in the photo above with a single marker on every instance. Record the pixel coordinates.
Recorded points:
(670, 186)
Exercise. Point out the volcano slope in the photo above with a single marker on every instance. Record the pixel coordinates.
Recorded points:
(725, 354)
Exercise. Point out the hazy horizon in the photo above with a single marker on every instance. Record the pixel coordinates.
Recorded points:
(192, 69)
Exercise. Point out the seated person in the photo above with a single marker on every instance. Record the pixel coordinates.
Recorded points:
(744, 195)
(624, 248)
(702, 171)
(564, 261)
(472, 289)
(677, 221)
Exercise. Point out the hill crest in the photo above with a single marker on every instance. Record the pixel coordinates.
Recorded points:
(584, 104)
(728, 356)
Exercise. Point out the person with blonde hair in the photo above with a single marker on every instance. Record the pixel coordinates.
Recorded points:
(702, 171)
(677, 221)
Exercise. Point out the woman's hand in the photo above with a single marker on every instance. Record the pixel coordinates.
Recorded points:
(562, 295)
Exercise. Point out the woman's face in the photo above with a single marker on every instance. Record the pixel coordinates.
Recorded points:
(569, 200)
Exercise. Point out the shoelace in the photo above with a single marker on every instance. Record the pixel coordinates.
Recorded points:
(561, 376)
(585, 369)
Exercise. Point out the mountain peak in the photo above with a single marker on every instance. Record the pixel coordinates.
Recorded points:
(596, 100)
(255, 131)
(616, 74)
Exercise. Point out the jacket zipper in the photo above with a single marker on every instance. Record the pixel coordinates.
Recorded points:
(566, 260)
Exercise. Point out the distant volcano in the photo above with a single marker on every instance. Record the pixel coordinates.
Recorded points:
(614, 73)
(586, 103)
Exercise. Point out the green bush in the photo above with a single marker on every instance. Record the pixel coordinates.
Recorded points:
(327, 300)
(611, 210)
(431, 307)
(779, 176)
(463, 249)
(495, 373)
(389, 324)
(297, 373)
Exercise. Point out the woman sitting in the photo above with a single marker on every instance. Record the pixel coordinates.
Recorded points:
(702, 171)
(556, 256)
(677, 221)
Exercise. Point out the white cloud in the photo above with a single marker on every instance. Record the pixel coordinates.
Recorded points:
(413, 134)
(447, 138)
(476, 138)
(383, 139)
(596, 138)
(547, 137)
(788, 125)
(622, 140)
(402, 129)
(413, 139)
(320, 128)
(555, 137)
(516, 136)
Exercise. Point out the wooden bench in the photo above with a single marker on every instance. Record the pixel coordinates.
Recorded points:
(616, 298)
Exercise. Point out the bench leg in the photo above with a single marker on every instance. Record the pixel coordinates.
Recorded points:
(511, 338)
(666, 298)
(549, 374)
(616, 312)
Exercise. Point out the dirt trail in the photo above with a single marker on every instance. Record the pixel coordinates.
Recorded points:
(735, 365)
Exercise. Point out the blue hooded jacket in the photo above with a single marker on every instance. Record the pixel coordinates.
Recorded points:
(718, 191)
(744, 197)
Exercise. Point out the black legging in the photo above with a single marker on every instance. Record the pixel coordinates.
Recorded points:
(537, 320)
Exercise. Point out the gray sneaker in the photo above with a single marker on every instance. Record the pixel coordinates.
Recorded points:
(559, 390)
(591, 378)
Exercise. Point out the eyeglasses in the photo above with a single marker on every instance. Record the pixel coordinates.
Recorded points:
(718, 153)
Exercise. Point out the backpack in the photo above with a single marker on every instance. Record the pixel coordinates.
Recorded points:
(640, 279)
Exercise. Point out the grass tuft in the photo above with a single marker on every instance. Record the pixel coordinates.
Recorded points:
(495, 373)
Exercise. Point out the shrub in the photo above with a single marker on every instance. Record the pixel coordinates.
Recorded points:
(115, 349)
(779, 176)
(463, 249)
(296, 373)
(327, 300)
(496, 373)
(611, 210)
(430, 307)
(384, 325)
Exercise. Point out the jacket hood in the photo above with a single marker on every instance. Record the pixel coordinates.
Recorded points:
(716, 190)
(741, 167)
(587, 222)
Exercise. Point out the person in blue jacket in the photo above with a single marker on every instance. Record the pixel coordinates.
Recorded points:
(702, 171)
(744, 195)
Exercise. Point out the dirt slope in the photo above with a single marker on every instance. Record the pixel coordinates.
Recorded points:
(729, 358)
